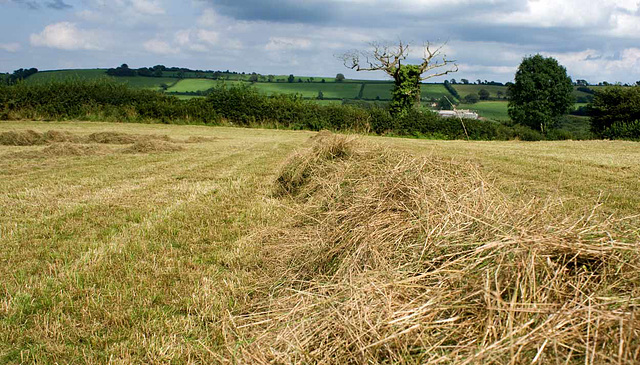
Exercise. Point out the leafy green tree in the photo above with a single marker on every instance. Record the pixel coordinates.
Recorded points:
(484, 94)
(613, 110)
(340, 78)
(541, 94)
(471, 99)
(444, 104)
(320, 95)
(407, 78)
(253, 78)
(291, 78)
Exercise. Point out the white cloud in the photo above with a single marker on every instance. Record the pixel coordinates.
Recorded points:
(67, 36)
(589, 63)
(10, 47)
(287, 43)
(208, 36)
(147, 7)
(160, 47)
(209, 18)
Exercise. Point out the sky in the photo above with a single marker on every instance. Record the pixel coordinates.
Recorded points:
(596, 40)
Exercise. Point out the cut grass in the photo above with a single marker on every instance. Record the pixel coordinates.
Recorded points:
(140, 258)
(395, 259)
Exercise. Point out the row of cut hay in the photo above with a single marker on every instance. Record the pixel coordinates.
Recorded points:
(33, 138)
(395, 259)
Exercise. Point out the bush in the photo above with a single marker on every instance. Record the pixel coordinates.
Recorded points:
(240, 105)
(623, 130)
(103, 98)
(614, 107)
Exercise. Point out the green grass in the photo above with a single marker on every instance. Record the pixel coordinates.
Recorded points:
(310, 90)
(133, 258)
(137, 82)
(496, 110)
(193, 85)
(493, 90)
(328, 102)
(57, 75)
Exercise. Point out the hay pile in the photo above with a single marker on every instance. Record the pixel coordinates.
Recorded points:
(152, 146)
(71, 149)
(125, 138)
(68, 144)
(21, 138)
(393, 259)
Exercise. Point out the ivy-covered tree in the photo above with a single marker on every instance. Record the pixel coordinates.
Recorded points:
(541, 94)
(407, 77)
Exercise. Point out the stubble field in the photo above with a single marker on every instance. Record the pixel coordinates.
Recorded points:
(145, 243)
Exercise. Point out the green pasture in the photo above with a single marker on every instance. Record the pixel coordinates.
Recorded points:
(310, 90)
(58, 75)
(496, 110)
(138, 82)
(187, 85)
(493, 90)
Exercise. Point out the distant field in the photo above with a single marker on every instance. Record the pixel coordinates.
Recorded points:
(310, 90)
(493, 90)
(193, 85)
(88, 74)
(496, 110)
(138, 82)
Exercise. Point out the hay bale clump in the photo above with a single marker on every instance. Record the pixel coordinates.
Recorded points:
(153, 146)
(199, 139)
(394, 259)
(71, 149)
(112, 138)
(299, 167)
(61, 136)
(125, 138)
(21, 138)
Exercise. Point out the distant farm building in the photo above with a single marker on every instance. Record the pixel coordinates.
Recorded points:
(462, 113)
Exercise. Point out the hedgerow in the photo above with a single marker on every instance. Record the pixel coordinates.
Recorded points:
(236, 105)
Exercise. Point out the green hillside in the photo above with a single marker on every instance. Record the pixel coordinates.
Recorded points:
(337, 90)
(187, 85)
(496, 110)
(493, 90)
(138, 82)
(89, 74)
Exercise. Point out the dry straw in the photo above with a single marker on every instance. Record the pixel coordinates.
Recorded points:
(394, 259)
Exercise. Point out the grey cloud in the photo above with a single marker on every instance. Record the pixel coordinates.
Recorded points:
(36, 5)
(58, 5)
(285, 11)
(377, 13)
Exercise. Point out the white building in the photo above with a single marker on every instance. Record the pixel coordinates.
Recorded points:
(462, 113)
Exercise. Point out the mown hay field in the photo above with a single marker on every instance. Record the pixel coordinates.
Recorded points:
(185, 244)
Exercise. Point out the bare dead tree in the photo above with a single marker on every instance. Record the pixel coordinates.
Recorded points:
(387, 58)
(391, 59)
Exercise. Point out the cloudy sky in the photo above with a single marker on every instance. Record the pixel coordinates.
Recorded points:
(596, 40)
